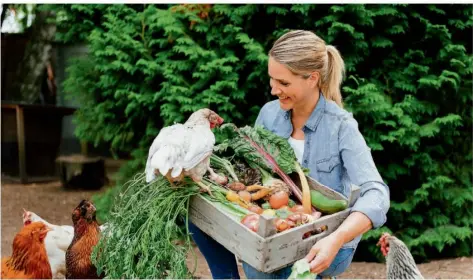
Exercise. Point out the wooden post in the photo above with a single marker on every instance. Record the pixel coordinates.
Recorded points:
(20, 128)
(266, 226)
(83, 148)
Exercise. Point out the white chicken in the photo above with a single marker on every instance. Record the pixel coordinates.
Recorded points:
(56, 242)
(185, 149)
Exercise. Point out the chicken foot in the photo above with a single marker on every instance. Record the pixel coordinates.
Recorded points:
(217, 178)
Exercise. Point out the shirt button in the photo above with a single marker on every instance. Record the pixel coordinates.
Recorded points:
(305, 161)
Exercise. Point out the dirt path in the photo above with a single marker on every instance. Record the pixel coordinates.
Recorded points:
(459, 268)
(55, 204)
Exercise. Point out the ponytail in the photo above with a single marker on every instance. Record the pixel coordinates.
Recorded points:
(332, 79)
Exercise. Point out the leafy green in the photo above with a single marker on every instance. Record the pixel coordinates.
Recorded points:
(301, 270)
(264, 150)
(240, 141)
(283, 213)
(146, 224)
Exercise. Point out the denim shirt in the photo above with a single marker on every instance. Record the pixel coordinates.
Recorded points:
(336, 154)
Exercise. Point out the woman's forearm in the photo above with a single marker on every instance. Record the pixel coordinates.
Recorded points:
(355, 224)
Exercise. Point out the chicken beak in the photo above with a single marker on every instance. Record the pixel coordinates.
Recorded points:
(44, 232)
(47, 229)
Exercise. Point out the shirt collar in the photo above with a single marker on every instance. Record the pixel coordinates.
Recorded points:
(315, 116)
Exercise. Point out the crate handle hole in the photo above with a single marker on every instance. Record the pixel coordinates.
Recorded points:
(314, 232)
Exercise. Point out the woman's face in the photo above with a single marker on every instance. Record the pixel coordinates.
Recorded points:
(292, 90)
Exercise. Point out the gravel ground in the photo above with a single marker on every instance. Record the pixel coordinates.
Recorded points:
(53, 203)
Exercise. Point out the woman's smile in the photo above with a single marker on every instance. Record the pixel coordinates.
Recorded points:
(284, 99)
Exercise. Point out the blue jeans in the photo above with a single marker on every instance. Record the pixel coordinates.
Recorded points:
(222, 263)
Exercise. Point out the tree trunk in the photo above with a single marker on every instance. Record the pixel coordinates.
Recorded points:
(31, 71)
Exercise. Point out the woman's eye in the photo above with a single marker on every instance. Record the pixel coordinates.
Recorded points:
(284, 84)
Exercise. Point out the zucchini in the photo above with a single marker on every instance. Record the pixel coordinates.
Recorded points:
(325, 204)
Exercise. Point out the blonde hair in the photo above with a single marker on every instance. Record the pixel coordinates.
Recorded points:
(303, 52)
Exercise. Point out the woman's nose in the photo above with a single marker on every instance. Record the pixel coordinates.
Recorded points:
(275, 91)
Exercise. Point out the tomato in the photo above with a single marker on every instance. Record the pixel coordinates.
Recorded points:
(281, 224)
(297, 209)
(251, 221)
(279, 200)
(296, 218)
(255, 209)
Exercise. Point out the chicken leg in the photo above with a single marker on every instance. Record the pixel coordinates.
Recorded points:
(204, 187)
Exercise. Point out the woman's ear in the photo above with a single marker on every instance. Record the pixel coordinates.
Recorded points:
(313, 79)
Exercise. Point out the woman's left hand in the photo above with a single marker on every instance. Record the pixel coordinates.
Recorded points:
(323, 252)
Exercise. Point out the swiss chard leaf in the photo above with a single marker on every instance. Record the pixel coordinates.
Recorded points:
(246, 141)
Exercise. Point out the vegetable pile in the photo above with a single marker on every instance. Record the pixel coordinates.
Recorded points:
(263, 161)
(148, 234)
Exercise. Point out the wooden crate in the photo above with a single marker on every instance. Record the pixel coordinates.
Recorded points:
(266, 250)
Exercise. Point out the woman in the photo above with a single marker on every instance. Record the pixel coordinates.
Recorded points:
(305, 76)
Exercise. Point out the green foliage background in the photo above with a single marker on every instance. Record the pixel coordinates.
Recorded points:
(409, 85)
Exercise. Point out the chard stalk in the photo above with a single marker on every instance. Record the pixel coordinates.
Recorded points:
(272, 162)
(266, 177)
(306, 202)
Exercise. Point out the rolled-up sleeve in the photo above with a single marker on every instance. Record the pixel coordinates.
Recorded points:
(361, 169)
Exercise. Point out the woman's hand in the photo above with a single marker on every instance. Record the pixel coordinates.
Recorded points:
(323, 252)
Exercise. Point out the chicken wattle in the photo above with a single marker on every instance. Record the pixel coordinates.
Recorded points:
(183, 150)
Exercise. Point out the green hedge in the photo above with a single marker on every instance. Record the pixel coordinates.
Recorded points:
(409, 85)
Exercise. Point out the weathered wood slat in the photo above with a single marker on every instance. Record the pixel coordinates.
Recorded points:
(286, 247)
(241, 241)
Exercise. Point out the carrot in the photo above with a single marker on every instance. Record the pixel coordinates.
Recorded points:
(234, 197)
(242, 203)
(261, 193)
(255, 188)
